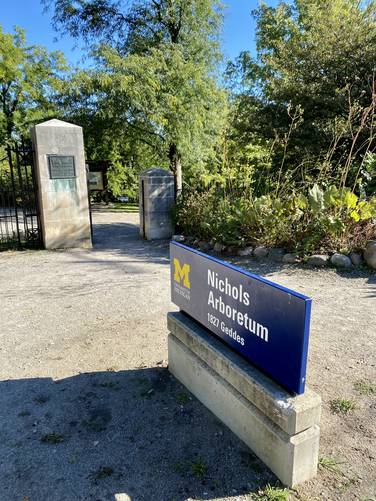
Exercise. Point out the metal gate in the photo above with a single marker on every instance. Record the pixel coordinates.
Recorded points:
(19, 211)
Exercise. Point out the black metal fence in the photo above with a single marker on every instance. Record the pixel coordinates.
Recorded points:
(19, 211)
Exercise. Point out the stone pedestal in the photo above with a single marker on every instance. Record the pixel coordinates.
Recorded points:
(157, 196)
(283, 430)
(62, 184)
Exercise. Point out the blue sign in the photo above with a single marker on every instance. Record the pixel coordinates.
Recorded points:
(263, 321)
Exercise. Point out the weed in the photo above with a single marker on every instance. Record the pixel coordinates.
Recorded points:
(102, 472)
(331, 465)
(94, 424)
(41, 399)
(342, 405)
(271, 493)
(216, 484)
(53, 438)
(112, 385)
(24, 413)
(179, 467)
(365, 387)
(349, 482)
(199, 468)
(182, 398)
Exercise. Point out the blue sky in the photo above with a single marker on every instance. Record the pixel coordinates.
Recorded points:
(239, 29)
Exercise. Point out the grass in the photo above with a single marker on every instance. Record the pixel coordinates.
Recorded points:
(24, 413)
(41, 399)
(199, 468)
(182, 398)
(365, 387)
(270, 493)
(102, 472)
(112, 385)
(179, 468)
(342, 405)
(125, 207)
(118, 207)
(53, 438)
(331, 465)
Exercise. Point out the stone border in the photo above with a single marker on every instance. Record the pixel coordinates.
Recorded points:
(279, 255)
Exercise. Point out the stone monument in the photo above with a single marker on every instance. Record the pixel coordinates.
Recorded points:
(157, 196)
(62, 184)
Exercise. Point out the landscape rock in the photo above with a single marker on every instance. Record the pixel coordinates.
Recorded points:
(178, 238)
(232, 250)
(218, 247)
(204, 246)
(247, 251)
(277, 254)
(318, 260)
(261, 252)
(370, 254)
(356, 258)
(290, 258)
(341, 261)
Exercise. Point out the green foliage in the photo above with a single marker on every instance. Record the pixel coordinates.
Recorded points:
(199, 468)
(271, 493)
(331, 465)
(342, 405)
(322, 219)
(53, 438)
(310, 94)
(155, 79)
(365, 387)
(29, 79)
(123, 181)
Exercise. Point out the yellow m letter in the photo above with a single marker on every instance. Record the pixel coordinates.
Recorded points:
(181, 273)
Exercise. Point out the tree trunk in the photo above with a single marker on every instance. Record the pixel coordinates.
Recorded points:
(176, 168)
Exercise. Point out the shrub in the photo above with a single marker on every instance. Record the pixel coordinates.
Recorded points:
(318, 220)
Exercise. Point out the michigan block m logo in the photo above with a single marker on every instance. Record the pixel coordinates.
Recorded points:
(181, 273)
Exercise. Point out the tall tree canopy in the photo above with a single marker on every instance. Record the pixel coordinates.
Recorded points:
(155, 79)
(313, 82)
(29, 78)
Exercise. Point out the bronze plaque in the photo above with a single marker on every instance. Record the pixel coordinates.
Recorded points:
(61, 167)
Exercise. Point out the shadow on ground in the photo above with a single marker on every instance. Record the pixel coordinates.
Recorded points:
(124, 238)
(138, 432)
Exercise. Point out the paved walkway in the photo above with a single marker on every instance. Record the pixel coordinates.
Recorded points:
(88, 410)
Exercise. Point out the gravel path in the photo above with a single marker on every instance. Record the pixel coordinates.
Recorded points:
(88, 410)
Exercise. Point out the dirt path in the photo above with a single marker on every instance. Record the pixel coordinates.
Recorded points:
(88, 410)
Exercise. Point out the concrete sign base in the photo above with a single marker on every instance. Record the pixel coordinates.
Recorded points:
(283, 430)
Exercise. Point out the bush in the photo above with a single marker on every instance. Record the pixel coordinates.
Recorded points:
(321, 220)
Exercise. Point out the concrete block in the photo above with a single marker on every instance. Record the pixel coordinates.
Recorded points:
(64, 204)
(157, 197)
(281, 429)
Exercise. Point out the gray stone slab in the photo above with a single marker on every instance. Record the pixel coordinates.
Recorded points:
(64, 203)
(292, 414)
(293, 458)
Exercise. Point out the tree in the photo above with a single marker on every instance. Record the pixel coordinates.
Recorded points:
(155, 76)
(29, 76)
(319, 57)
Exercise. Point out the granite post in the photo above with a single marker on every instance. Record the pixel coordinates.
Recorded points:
(157, 196)
(62, 184)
